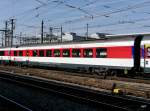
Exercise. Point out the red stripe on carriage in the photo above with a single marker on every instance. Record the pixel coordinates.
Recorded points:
(119, 52)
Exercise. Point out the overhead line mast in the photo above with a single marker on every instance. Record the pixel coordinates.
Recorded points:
(42, 26)
(12, 30)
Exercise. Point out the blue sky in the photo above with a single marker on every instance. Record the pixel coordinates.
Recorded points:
(106, 16)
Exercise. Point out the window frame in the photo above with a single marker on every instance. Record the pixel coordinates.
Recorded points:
(15, 53)
(50, 52)
(59, 53)
(79, 55)
(103, 50)
(33, 51)
(19, 53)
(43, 51)
(2, 53)
(66, 55)
(86, 55)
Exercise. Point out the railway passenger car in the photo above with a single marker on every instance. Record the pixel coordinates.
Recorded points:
(113, 55)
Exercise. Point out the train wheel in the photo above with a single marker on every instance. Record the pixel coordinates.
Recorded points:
(113, 73)
(91, 70)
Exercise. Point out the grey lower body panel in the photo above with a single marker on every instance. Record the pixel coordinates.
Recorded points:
(76, 66)
(68, 66)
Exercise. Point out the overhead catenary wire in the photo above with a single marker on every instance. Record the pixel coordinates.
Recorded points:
(121, 22)
(39, 1)
(44, 4)
(74, 7)
(84, 18)
(31, 10)
(139, 5)
(86, 6)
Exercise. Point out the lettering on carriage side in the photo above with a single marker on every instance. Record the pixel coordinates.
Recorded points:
(148, 51)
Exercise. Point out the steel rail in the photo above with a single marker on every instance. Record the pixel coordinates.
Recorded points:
(123, 103)
(18, 105)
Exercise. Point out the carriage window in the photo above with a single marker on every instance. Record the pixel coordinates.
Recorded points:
(1, 53)
(48, 53)
(56, 53)
(76, 53)
(88, 52)
(15, 53)
(35, 53)
(41, 53)
(20, 53)
(101, 53)
(66, 53)
(148, 52)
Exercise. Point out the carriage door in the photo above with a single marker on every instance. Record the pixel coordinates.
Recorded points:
(147, 57)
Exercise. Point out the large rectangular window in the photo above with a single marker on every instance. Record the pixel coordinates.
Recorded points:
(148, 52)
(41, 53)
(56, 53)
(35, 53)
(101, 52)
(48, 53)
(88, 52)
(15, 53)
(76, 52)
(66, 53)
(20, 53)
(1, 53)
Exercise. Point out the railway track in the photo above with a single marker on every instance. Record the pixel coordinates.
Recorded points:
(103, 76)
(83, 73)
(129, 86)
(7, 104)
(107, 100)
(87, 74)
